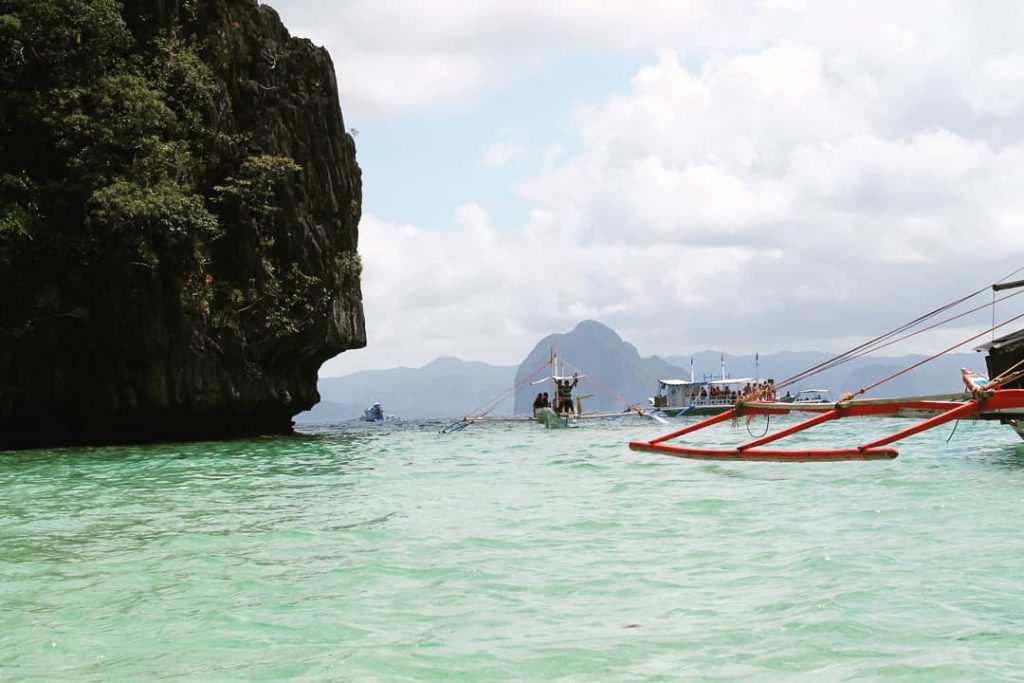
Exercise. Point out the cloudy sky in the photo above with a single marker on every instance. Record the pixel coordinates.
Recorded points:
(737, 175)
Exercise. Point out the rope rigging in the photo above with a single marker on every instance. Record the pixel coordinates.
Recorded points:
(930, 358)
(906, 331)
(493, 403)
(607, 390)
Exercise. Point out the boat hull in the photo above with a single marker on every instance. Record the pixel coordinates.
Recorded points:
(550, 419)
(694, 410)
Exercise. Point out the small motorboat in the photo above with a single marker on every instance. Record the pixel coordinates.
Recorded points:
(375, 413)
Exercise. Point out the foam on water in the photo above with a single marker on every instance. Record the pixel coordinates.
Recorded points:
(509, 552)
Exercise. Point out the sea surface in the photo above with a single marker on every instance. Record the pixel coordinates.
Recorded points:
(507, 552)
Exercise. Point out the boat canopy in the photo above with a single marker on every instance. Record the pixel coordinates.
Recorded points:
(717, 382)
(738, 380)
(1009, 341)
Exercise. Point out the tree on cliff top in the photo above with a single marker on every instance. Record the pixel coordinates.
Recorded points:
(112, 175)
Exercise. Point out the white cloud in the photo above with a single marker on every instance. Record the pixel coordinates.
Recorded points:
(396, 56)
(510, 146)
(997, 86)
(777, 167)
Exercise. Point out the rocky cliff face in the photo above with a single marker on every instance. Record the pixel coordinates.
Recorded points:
(100, 343)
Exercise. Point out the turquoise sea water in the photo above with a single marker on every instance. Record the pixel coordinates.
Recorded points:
(509, 552)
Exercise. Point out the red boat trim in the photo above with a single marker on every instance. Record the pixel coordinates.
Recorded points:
(722, 417)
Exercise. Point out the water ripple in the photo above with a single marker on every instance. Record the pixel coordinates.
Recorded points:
(507, 552)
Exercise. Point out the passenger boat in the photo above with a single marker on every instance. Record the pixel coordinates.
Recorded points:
(707, 396)
(998, 396)
(677, 397)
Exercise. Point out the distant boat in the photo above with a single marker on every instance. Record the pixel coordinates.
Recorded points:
(708, 396)
(703, 397)
(813, 396)
(567, 409)
(375, 413)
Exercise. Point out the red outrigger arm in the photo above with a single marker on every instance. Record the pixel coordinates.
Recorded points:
(941, 411)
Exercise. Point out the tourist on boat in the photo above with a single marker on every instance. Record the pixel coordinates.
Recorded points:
(565, 388)
(974, 381)
(539, 401)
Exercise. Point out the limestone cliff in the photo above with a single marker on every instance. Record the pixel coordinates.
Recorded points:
(192, 279)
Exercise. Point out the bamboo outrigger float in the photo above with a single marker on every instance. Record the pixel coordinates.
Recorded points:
(984, 399)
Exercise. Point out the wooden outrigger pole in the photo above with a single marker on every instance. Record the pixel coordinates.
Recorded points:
(981, 404)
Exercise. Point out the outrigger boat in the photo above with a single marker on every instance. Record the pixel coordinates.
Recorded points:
(567, 410)
(998, 396)
(677, 397)
(708, 396)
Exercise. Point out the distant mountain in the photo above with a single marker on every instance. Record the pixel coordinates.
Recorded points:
(613, 374)
(329, 412)
(446, 387)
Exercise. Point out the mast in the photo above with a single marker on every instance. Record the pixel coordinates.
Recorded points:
(999, 287)
(691, 369)
(554, 371)
(723, 366)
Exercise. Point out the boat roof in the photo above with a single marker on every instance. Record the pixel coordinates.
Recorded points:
(814, 391)
(1008, 341)
(720, 382)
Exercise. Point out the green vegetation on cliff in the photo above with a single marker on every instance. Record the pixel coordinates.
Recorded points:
(178, 211)
(112, 159)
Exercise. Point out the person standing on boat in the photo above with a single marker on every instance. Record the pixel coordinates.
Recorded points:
(565, 388)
